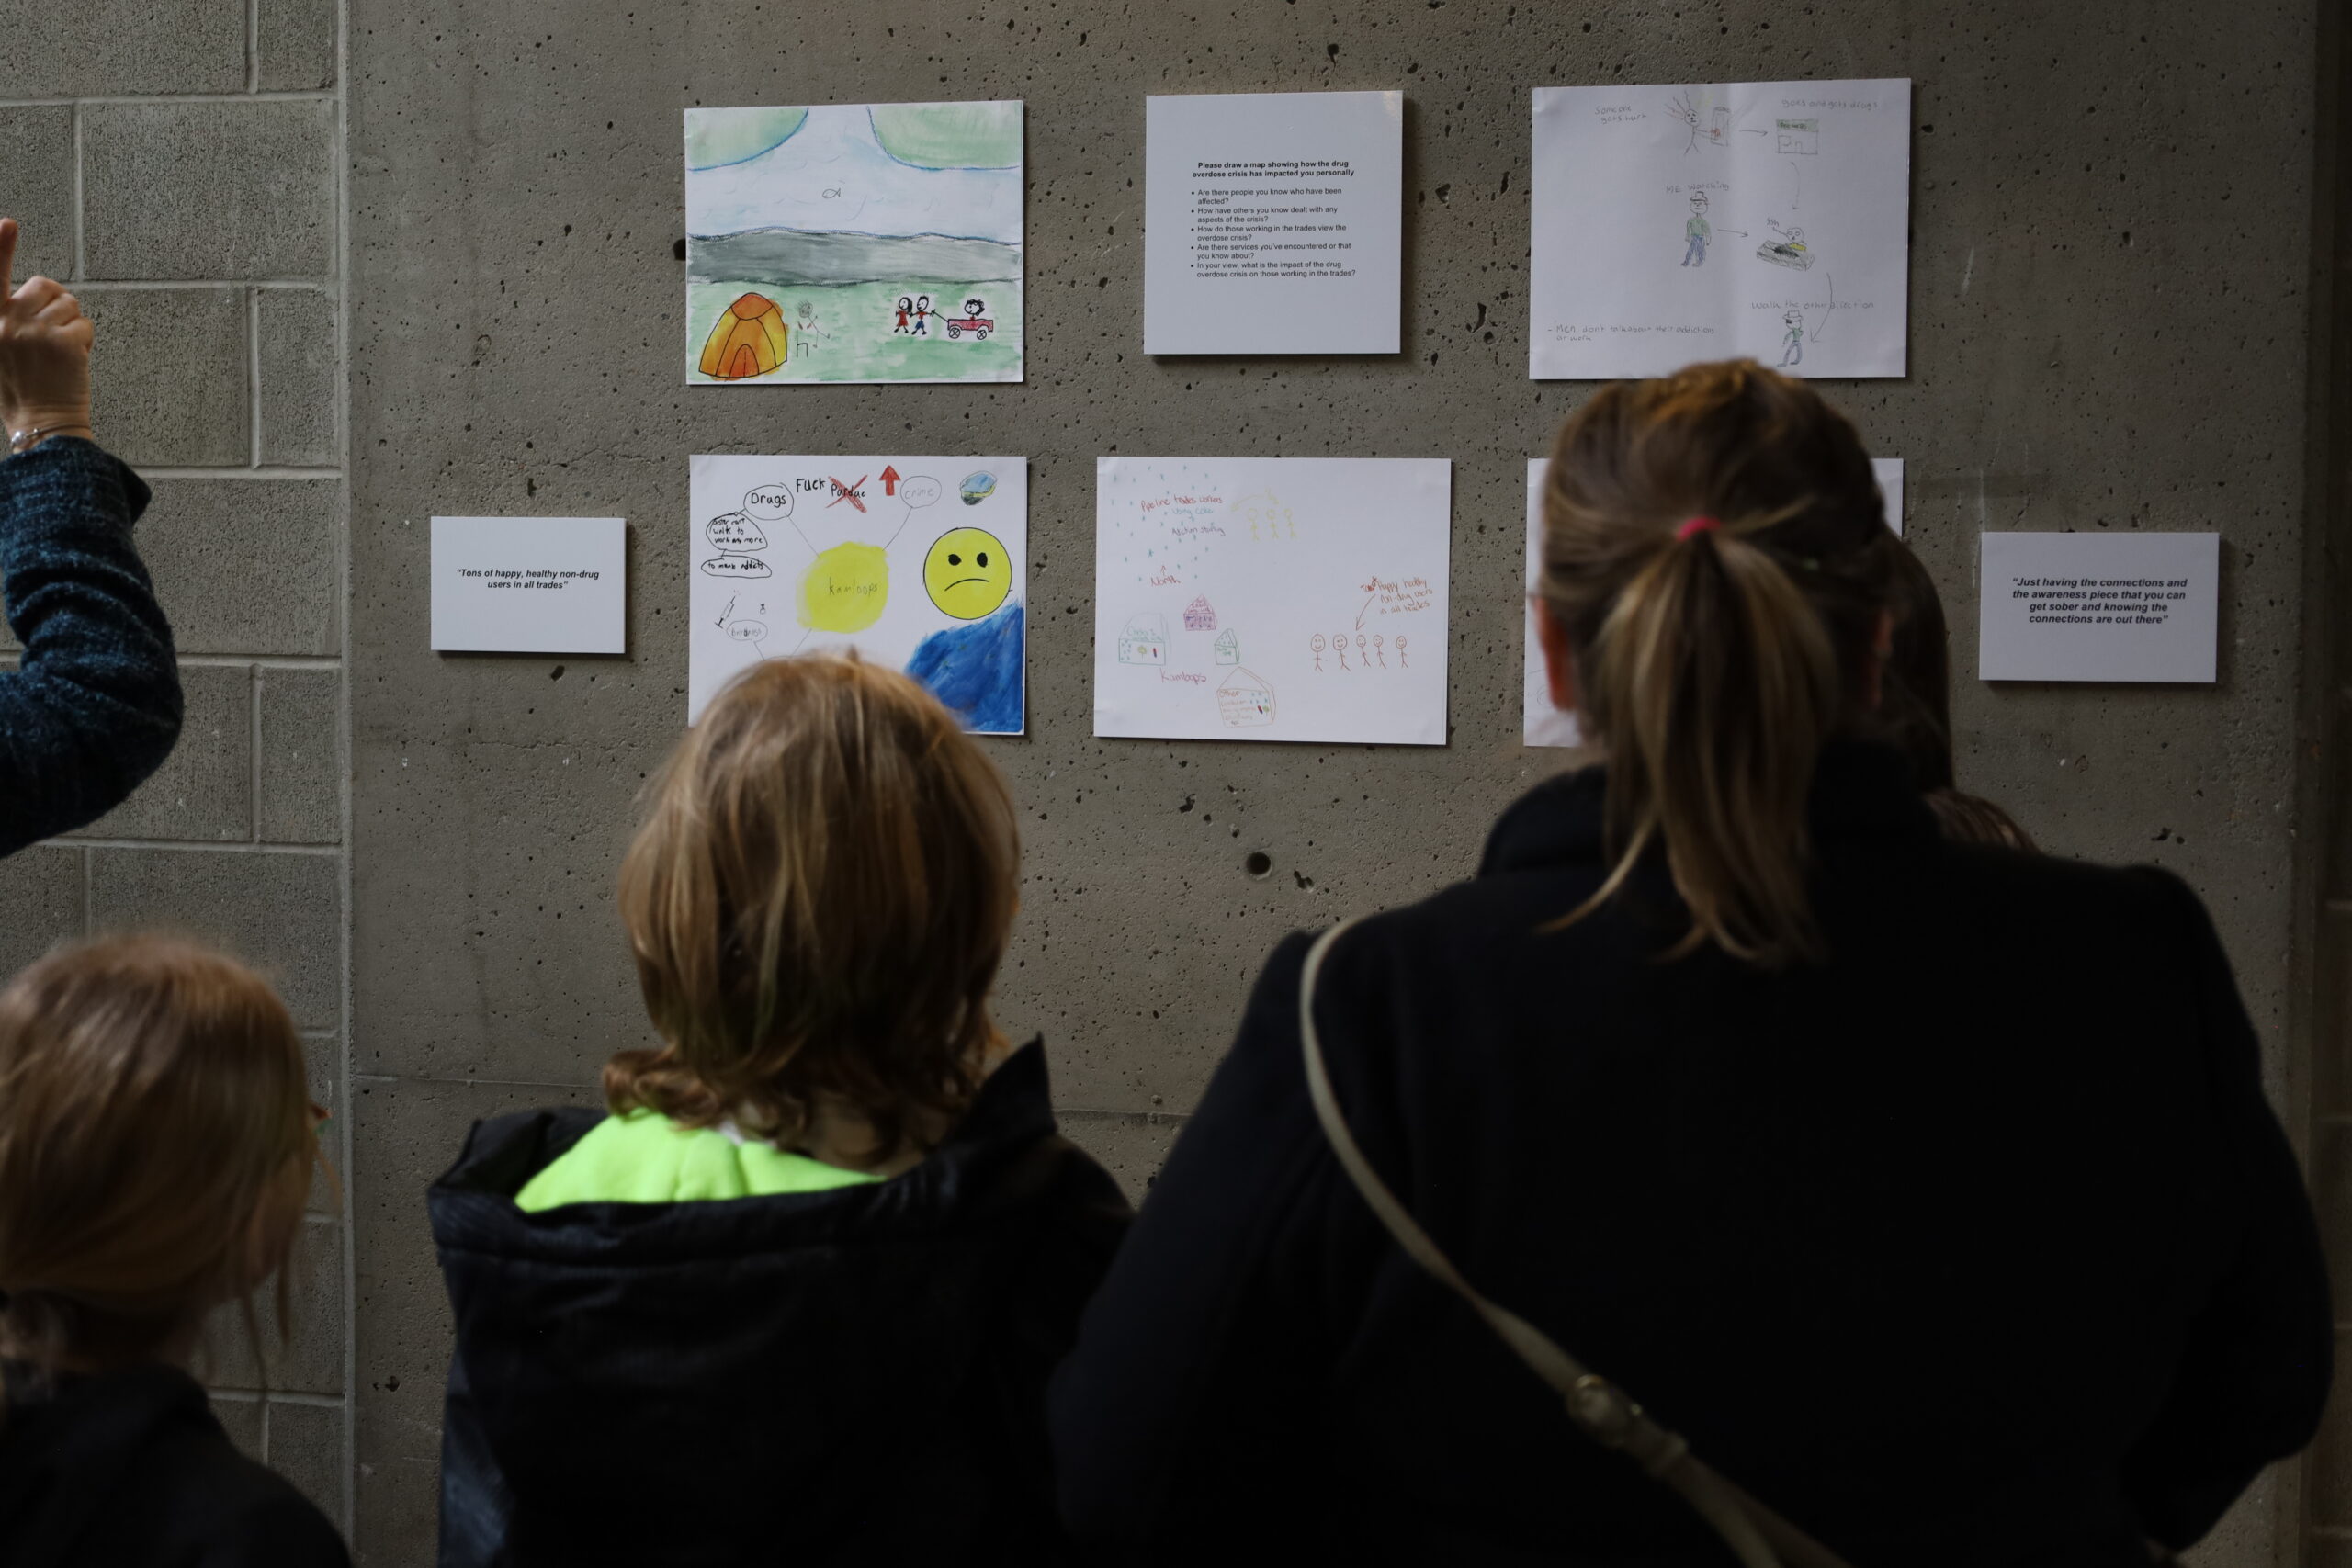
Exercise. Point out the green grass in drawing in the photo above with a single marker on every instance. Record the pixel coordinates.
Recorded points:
(855, 243)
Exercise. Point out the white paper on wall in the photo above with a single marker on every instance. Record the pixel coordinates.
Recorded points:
(920, 563)
(2098, 607)
(1676, 223)
(1272, 599)
(530, 585)
(1273, 222)
(1540, 723)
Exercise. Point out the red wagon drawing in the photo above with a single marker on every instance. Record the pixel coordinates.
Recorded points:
(978, 326)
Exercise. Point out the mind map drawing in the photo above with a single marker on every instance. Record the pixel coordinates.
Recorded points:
(855, 243)
(917, 562)
(1672, 224)
(1272, 599)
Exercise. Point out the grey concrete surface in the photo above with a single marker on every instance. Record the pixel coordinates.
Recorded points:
(301, 384)
(301, 1350)
(37, 186)
(105, 48)
(302, 748)
(42, 890)
(281, 913)
(306, 1447)
(2112, 237)
(205, 788)
(226, 188)
(294, 44)
(248, 566)
(172, 362)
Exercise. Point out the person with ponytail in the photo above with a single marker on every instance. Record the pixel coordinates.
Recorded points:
(1923, 1197)
(157, 1146)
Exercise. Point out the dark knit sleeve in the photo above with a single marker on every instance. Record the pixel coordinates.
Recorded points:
(94, 705)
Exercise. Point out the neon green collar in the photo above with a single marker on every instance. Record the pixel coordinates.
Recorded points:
(645, 1158)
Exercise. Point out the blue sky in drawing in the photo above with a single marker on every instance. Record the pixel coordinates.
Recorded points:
(833, 174)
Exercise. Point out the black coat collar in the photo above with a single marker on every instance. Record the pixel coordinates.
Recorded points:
(1861, 789)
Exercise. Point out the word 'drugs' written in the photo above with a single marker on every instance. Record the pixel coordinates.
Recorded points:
(919, 563)
(2098, 607)
(1272, 599)
(530, 585)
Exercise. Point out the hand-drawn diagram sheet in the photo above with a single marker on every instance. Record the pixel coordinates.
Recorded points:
(1762, 218)
(919, 563)
(854, 242)
(1541, 724)
(1271, 598)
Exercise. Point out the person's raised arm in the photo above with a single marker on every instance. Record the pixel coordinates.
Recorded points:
(94, 705)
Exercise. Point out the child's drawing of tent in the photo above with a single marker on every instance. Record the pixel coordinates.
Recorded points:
(1245, 701)
(1145, 641)
(1228, 646)
(1199, 616)
(749, 339)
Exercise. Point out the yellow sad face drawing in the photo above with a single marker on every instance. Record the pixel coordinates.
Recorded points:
(967, 574)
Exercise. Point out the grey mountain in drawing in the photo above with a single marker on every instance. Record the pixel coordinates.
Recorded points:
(800, 257)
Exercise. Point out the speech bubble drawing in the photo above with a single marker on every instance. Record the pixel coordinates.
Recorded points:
(746, 631)
(769, 503)
(920, 490)
(734, 531)
(737, 566)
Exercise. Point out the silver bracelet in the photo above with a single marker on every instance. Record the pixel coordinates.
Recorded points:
(25, 439)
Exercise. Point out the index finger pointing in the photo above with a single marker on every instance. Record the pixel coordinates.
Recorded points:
(7, 256)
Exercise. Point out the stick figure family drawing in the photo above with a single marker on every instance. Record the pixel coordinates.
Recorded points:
(1368, 650)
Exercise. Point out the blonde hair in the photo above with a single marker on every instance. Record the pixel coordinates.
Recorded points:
(1714, 657)
(156, 1147)
(818, 901)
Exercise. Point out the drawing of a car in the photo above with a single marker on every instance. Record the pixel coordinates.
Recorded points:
(978, 326)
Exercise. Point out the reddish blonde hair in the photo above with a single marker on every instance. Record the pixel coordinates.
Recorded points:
(155, 1146)
(818, 901)
(1715, 658)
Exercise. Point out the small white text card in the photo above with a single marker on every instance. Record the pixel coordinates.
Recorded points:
(530, 585)
(2100, 607)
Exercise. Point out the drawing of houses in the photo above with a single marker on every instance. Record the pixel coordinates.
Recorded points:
(1245, 701)
(1145, 641)
(1228, 647)
(1199, 616)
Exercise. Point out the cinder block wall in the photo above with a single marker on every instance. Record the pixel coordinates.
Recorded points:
(178, 164)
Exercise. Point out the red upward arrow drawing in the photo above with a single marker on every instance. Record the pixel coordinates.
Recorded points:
(889, 481)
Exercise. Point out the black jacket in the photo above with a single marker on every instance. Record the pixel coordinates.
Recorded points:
(851, 1376)
(1977, 1245)
(94, 705)
(130, 1469)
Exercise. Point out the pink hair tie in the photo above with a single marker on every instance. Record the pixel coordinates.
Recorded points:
(1691, 526)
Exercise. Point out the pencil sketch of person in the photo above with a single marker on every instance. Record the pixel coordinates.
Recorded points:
(1340, 645)
(1696, 232)
(1315, 645)
(1400, 651)
(1793, 349)
(810, 335)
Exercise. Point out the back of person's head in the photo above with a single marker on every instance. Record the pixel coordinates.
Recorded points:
(1914, 707)
(1716, 553)
(156, 1145)
(817, 902)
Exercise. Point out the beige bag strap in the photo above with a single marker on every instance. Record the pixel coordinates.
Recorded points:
(1759, 1537)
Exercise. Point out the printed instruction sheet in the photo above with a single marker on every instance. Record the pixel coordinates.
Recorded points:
(1271, 598)
(1541, 724)
(1766, 219)
(917, 562)
(2098, 607)
(1273, 222)
(855, 243)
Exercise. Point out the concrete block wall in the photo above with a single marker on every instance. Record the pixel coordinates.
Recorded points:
(178, 164)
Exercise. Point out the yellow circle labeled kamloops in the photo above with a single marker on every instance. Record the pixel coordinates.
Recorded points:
(845, 591)
(967, 574)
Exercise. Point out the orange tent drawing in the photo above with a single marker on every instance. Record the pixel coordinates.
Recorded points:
(749, 339)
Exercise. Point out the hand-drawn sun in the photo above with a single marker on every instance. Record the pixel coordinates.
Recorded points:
(967, 574)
